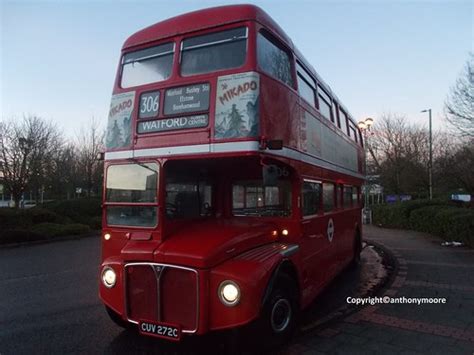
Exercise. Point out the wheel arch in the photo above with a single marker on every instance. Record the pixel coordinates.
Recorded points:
(288, 268)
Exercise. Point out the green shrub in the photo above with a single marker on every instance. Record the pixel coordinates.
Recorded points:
(424, 219)
(50, 230)
(461, 228)
(398, 215)
(434, 217)
(10, 217)
(76, 208)
(41, 215)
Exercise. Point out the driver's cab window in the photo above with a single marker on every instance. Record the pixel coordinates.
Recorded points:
(186, 198)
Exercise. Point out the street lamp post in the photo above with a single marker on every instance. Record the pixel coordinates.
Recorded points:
(430, 164)
(364, 126)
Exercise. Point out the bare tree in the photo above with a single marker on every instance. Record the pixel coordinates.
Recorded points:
(399, 154)
(459, 106)
(89, 145)
(64, 176)
(455, 166)
(25, 149)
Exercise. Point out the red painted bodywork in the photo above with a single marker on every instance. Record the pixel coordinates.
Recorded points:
(224, 247)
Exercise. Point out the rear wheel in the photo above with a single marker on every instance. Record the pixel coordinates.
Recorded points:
(279, 316)
(117, 319)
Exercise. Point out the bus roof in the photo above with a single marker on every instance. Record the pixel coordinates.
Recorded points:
(202, 19)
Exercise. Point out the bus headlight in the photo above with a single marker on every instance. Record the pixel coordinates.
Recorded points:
(109, 277)
(229, 293)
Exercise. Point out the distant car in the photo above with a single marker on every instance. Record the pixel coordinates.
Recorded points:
(29, 204)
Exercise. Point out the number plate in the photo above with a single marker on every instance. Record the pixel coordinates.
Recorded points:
(160, 330)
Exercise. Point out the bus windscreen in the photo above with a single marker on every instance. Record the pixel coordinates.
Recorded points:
(147, 66)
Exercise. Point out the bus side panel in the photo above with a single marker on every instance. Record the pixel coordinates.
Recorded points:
(279, 111)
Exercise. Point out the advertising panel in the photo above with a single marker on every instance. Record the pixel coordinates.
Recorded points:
(119, 126)
(237, 106)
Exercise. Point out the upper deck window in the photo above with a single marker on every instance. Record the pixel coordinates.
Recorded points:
(343, 121)
(324, 103)
(215, 51)
(147, 65)
(273, 60)
(306, 85)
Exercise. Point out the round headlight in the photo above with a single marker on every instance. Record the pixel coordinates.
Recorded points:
(229, 293)
(109, 277)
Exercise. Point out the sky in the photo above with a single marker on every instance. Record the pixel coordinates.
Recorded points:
(58, 59)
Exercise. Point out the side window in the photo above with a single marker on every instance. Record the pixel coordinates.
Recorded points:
(339, 196)
(273, 60)
(328, 196)
(347, 196)
(334, 112)
(352, 130)
(311, 198)
(324, 103)
(306, 85)
(355, 195)
(342, 121)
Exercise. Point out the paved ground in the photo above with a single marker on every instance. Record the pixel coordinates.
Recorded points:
(49, 304)
(425, 269)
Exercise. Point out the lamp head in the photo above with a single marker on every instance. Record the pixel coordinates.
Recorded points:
(369, 121)
(361, 125)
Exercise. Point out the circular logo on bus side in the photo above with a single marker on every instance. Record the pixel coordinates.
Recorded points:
(330, 229)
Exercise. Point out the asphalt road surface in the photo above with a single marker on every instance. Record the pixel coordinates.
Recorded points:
(49, 305)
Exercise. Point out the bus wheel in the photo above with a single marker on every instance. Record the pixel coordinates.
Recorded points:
(279, 315)
(357, 250)
(117, 319)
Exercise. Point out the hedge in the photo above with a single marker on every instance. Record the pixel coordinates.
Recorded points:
(54, 219)
(78, 208)
(11, 218)
(435, 217)
(57, 230)
(397, 215)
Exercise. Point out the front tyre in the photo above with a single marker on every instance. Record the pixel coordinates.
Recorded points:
(279, 315)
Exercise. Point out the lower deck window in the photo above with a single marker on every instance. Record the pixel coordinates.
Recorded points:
(311, 198)
(347, 196)
(251, 198)
(328, 196)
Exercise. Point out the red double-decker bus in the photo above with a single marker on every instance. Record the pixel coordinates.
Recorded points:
(232, 178)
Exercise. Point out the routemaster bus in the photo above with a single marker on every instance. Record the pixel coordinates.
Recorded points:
(232, 179)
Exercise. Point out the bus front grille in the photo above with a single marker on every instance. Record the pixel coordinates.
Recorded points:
(162, 293)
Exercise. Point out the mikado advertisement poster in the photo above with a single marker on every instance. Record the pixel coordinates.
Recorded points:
(237, 106)
(119, 126)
